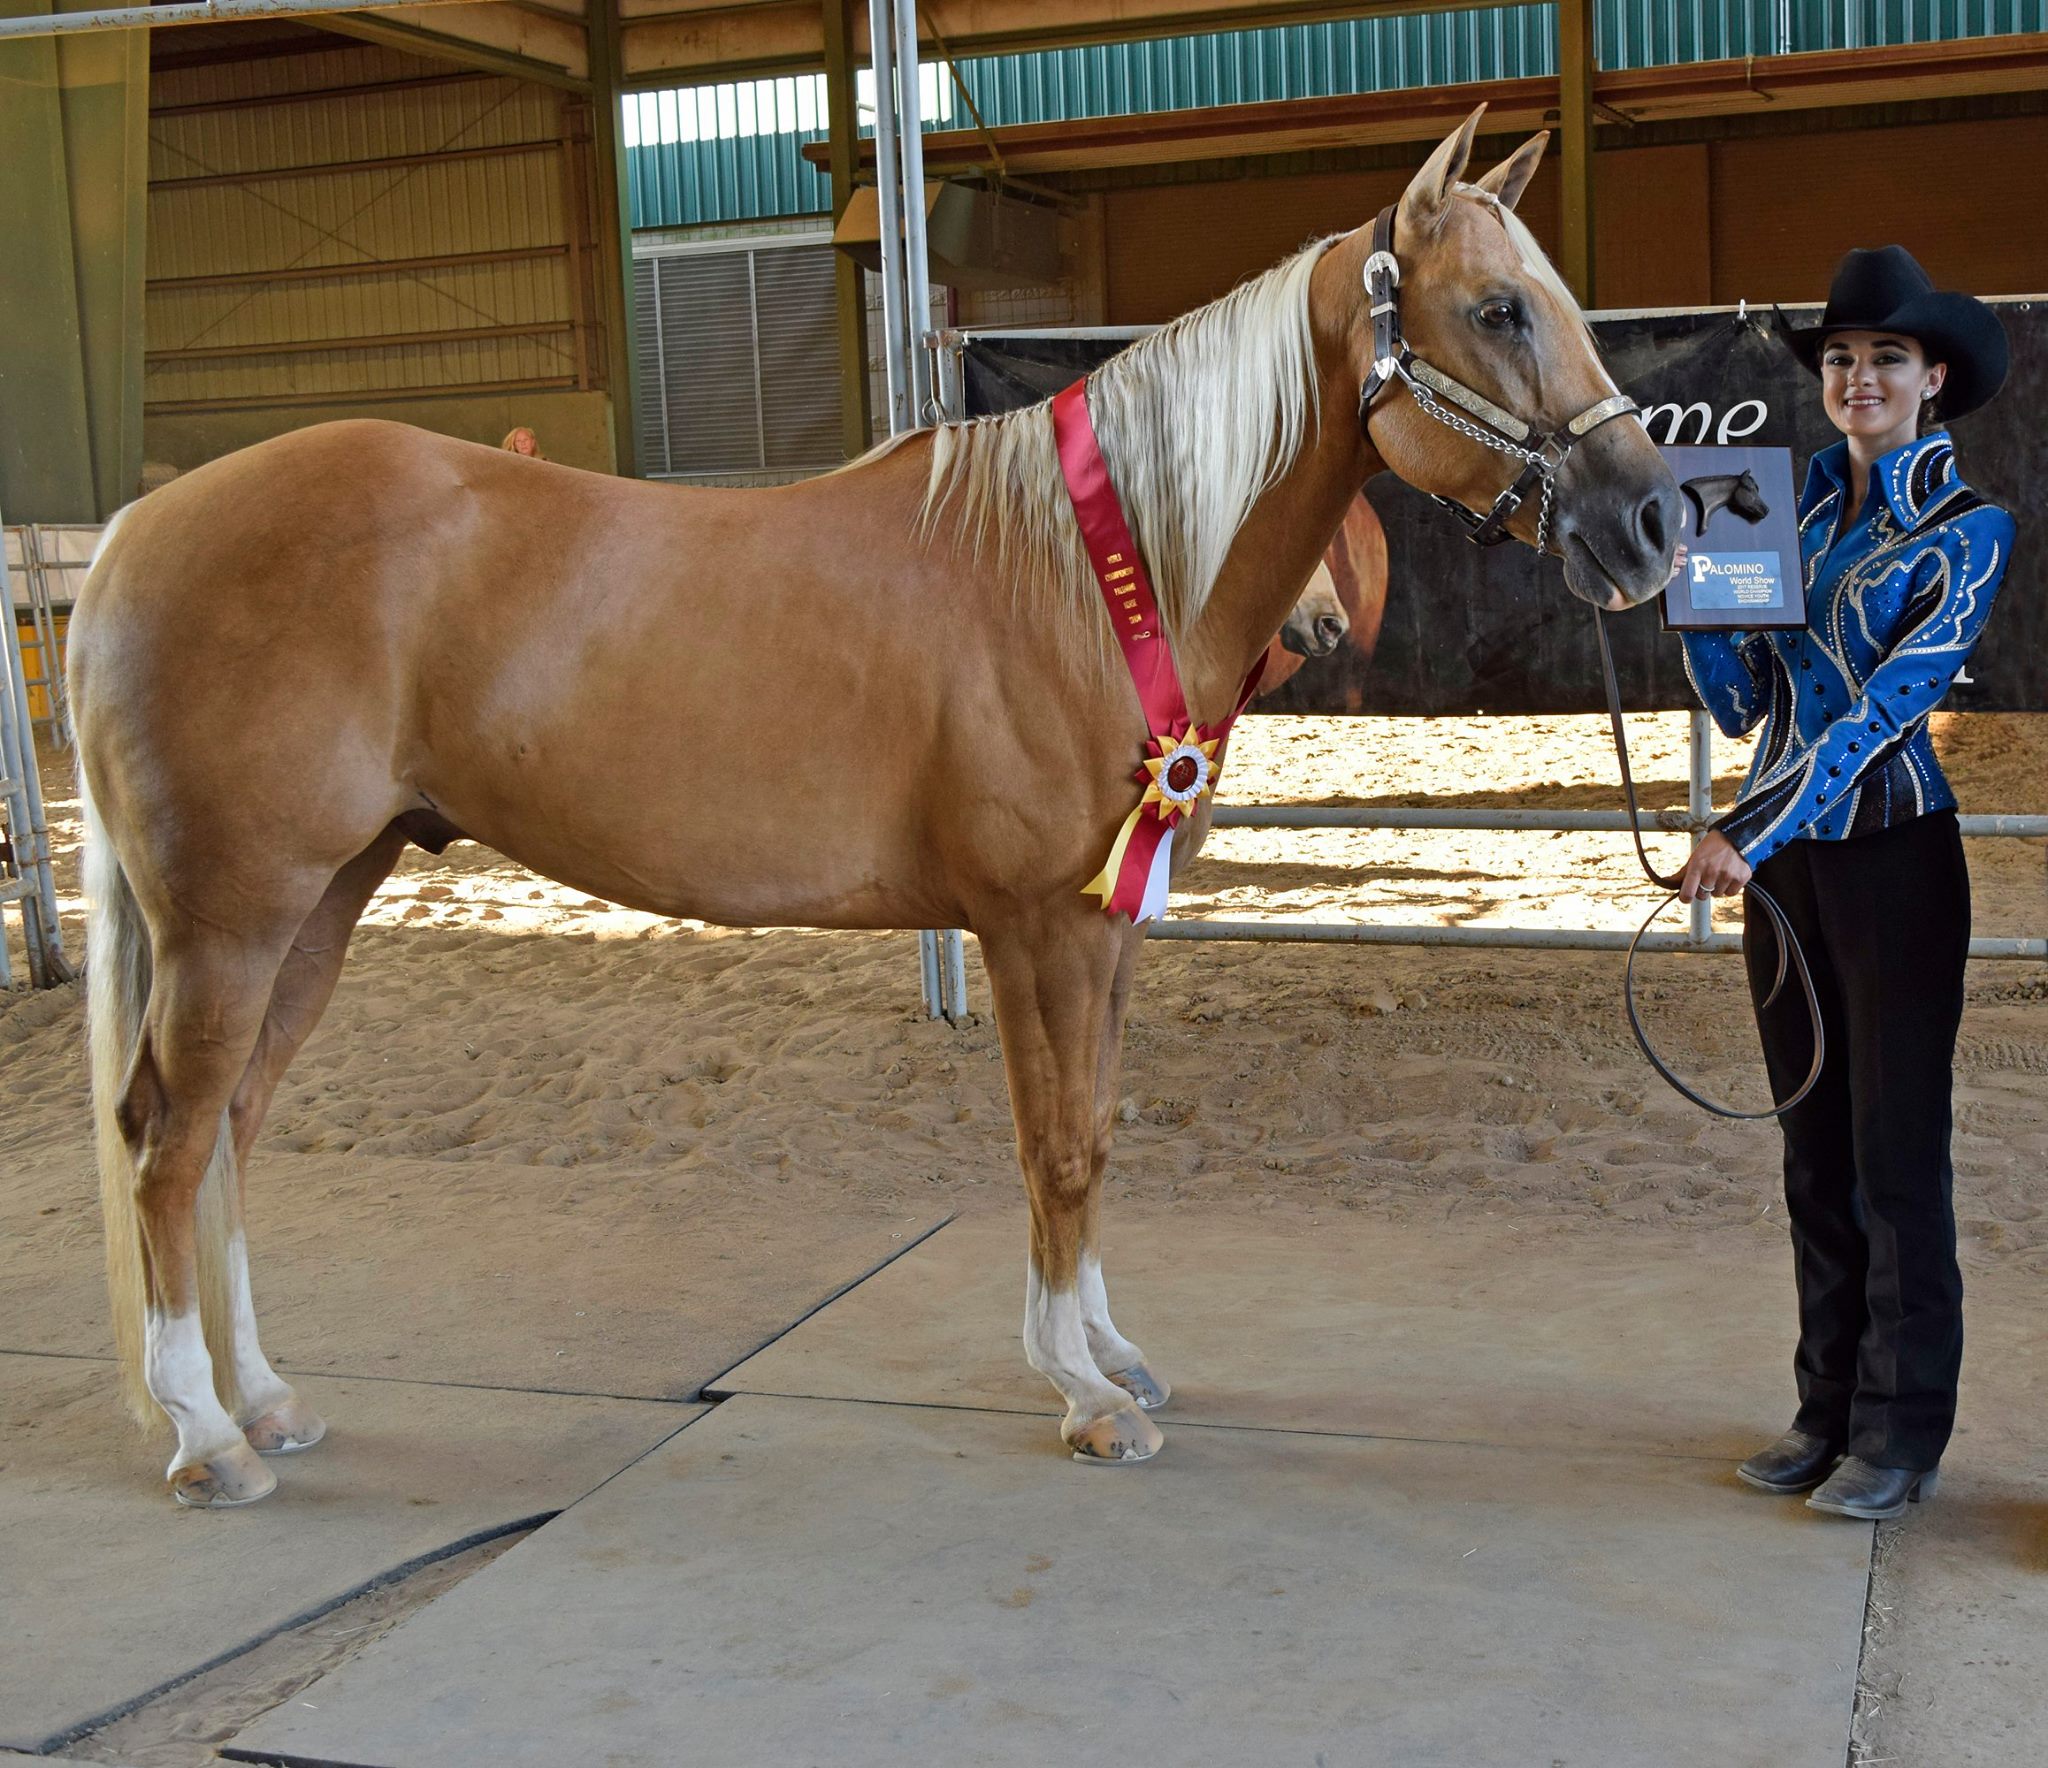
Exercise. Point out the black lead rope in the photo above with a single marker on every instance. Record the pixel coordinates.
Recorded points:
(1789, 954)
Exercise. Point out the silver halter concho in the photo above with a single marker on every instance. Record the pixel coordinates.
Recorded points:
(1502, 431)
(1541, 456)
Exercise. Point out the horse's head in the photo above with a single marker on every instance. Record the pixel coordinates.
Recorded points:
(1316, 624)
(1747, 499)
(1481, 304)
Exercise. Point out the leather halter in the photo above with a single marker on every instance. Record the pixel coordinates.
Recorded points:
(1541, 453)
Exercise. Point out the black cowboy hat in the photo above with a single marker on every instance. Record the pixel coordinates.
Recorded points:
(1887, 291)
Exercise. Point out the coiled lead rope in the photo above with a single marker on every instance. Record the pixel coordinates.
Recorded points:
(1789, 954)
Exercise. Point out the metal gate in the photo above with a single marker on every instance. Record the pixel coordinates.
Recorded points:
(26, 879)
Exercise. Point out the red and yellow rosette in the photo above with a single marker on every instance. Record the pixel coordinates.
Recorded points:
(1185, 760)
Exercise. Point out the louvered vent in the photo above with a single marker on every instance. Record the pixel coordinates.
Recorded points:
(739, 371)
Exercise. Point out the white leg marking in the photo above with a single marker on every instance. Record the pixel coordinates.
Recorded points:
(1113, 1353)
(180, 1377)
(260, 1386)
(1056, 1345)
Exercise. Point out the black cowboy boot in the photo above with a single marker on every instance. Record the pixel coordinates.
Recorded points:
(1872, 1494)
(1797, 1462)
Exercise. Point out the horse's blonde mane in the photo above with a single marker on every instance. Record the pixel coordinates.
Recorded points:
(1196, 422)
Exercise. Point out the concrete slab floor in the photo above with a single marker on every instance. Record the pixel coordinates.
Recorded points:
(801, 1581)
(1529, 1333)
(1959, 1600)
(112, 1591)
(573, 1283)
(1483, 1330)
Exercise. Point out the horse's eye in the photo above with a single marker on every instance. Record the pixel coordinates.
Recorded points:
(1498, 315)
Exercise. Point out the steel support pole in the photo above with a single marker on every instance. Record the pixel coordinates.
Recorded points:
(949, 394)
(916, 260)
(895, 116)
(1699, 800)
(889, 194)
(1576, 51)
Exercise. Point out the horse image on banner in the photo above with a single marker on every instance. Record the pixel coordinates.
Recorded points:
(290, 662)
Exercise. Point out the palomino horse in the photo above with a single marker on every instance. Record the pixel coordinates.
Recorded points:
(1353, 572)
(294, 660)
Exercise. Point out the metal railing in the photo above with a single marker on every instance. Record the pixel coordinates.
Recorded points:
(26, 878)
(1694, 820)
(53, 558)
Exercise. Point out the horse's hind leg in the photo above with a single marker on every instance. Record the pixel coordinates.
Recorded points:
(1114, 1354)
(205, 1011)
(1054, 975)
(273, 1418)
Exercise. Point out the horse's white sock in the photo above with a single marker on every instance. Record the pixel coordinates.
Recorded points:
(1056, 1344)
(180, 1377)
(259, 1385)
(1113, 1353)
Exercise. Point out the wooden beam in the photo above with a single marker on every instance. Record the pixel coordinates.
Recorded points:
(460, 334)
(389, 162)
(1826, 79)
(357, 267)
(612, 232)
(498, 39)
(1165, 137)
(1576, 71)
(310, 94)
(685, 41)
(1777, 85)
(856, 417)
(357, 397)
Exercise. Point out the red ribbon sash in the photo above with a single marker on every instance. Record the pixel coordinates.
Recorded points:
(1185, 760)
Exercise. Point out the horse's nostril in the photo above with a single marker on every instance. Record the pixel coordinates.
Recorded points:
(1329, 629)
(1654, 521)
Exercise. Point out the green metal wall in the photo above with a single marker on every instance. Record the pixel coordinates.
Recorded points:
(73, 132)
(734, 152)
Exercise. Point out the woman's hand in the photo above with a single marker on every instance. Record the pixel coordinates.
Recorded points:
(1678, 559)
(1715, 869)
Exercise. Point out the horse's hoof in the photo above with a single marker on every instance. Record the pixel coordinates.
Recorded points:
(285, 1429)
(236, 1475)
(1126, 1435)
(1143, 1386)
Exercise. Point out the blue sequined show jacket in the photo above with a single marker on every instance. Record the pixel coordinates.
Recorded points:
(1896, 594)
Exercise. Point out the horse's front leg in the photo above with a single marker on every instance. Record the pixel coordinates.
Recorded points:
(1054, 973)
(1114, 1354)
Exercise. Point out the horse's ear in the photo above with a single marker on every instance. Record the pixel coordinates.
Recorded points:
(1511, 177)
(1428, 197)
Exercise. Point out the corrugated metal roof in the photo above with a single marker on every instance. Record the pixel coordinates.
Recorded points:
(733, 152)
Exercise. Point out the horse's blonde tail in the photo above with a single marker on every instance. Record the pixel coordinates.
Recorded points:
(118, 975)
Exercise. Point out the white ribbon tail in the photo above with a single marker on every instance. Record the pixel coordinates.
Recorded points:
(1153, 908)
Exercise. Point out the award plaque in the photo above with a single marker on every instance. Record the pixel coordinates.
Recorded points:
(1740, 530)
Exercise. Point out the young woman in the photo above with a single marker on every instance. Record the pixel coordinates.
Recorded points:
(1846, 819)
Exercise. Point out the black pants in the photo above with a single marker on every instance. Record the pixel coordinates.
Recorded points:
(1885, 923)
